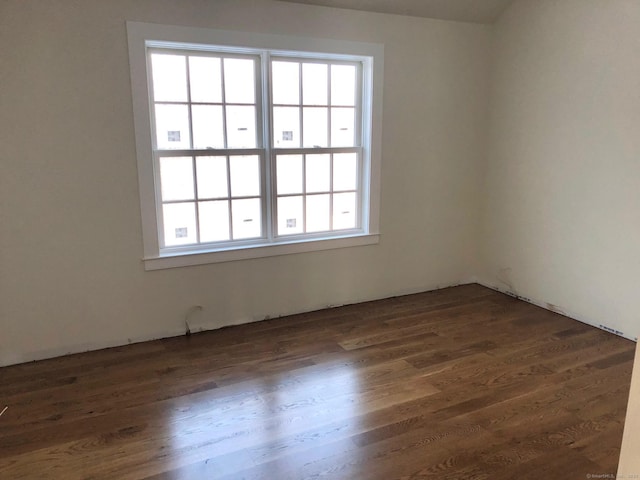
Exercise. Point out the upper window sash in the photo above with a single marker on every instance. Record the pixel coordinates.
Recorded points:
(315, 102)
(188, 92)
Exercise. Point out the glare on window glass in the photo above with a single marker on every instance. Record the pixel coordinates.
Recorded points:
(172, 126)
(214, 221)
(241, 126)
(345, 171)
(206, 79)
(343, 85)
(208, 129)
(247, 218)
(169, 75)
(342, 127)
(212, 177)
(318, 213)
(314, 84)
(290, 219)
(179, 221)
(318, 168)
(344, 211)
(239, 80)
(245, 175)
(286, 82)
(176, 178)
(286, 127)
(315, 127)
(289, 174)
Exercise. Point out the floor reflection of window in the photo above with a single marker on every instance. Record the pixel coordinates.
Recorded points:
(311, 414)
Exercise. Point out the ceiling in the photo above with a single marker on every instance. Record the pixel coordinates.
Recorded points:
(475, 11)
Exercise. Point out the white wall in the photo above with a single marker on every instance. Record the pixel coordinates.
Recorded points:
(562, 192)
(71, 278)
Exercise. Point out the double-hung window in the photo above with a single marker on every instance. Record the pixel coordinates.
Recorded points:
(245, 150)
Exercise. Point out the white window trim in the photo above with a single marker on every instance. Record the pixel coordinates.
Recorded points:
(141, 35)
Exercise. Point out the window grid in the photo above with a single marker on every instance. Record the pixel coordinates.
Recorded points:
(331, 206)
(198, 199)
(303, 149)
(263, 196)
(189, 103)
(304, 189)
(356, 107)
(193, 159)
(331, 191)
(228, 166)
(329, 139)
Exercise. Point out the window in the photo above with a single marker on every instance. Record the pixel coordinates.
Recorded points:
(245, 150)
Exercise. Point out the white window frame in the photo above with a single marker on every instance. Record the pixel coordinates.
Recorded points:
(143, 36)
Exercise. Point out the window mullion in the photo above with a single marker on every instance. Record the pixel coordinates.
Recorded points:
(329, 109)
(359, 189)
(196, 204)
(358, 106)
(223, 96)
(300, 104)
(269, 161)
(304, 157)
(189, 106)
(224, 104)
(331, 190)
(159, 202)
(229, 196)
(304, 193)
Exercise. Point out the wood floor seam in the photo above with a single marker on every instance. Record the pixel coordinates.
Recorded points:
(458, 383)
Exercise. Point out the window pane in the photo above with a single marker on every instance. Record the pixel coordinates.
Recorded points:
(345, 171)
(169, 73)
(245, 176)
(318, 173)
(318, 213)
(214, 221)
(286, 127)
(212, 177)
(179, 224)
(343, 85)
(314, 84)
(176, 178)
(344, 211)
(247, 218)
(286, 82)
(239, 80)
(290, 218)
(206, 79)
(207, 126)
(172, 127)
(241, 127)
(342, 127)
(315, 127)
(289, 174)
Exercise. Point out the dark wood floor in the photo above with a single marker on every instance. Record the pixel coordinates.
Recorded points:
(461, 383)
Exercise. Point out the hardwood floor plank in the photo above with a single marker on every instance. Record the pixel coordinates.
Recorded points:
(459, 383)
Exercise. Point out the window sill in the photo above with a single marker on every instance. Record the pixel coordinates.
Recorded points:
(187, 259)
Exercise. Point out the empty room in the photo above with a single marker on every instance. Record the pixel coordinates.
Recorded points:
(342, 239)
